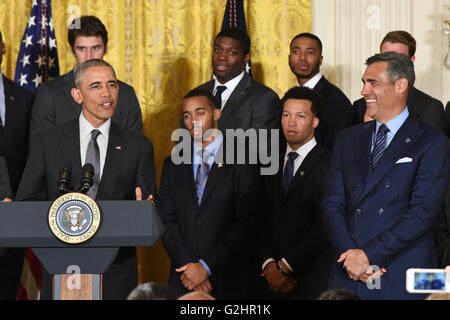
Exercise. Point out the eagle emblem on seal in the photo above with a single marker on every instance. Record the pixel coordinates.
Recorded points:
(74, 217)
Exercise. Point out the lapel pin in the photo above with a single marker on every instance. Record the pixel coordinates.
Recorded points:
(408, 140)
(12, 98)
(118, 148)
(302, 173)
(219, 165)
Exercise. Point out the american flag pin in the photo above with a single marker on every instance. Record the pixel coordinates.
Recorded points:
(302, 173)
(118, 148)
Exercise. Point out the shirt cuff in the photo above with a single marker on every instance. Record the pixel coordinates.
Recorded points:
(267, 262)
(205, 266)
(287, 265)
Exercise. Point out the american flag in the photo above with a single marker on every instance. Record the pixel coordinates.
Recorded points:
(37, 62)
(38, 57)
(234, 17)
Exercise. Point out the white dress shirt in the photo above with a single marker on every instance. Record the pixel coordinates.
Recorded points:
(102, 140)
(311, 83)
(231, 85)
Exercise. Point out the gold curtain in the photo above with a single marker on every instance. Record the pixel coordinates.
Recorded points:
(163, 48)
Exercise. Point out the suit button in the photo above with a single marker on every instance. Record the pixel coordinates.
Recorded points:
(358, 211)
(380, 211)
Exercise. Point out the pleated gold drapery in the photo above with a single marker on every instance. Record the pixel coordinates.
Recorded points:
(163, 48)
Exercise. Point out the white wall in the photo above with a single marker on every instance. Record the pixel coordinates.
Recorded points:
(351, 31)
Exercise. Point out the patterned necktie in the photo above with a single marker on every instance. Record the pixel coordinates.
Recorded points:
(218, 95)
(289, 170)
(93, 157)
(380, 144)
(202, 175)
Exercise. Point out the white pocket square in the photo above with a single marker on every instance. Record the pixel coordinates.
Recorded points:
(404, 160)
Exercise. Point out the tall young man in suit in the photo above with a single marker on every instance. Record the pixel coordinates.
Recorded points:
(54, 104)
(245, 103)
(123, 160)
(420, 104)
(295, 257)
(386, 186)
(15, 113)
(208, 205)
(305, 59)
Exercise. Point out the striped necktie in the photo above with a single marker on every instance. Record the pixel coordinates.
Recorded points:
(380, 144)
(202, 174)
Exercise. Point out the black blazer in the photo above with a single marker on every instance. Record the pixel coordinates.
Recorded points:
(18, 103)
(447, 119)
(219, 230)
(293, 228)
(125, 168)
(5, 189)
(251, 105)
(336, 115)
(54, 105)
(420, 104)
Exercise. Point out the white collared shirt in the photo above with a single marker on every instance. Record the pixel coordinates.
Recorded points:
(102, 140)
(302, 153)
(2, 100)
(231, 85)
(311, 83)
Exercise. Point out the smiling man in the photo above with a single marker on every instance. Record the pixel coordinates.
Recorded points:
(245, 103)
(386, 187)
(122, 161)
(420, 104)
(54, 104)
(305, 59)
(295, 254)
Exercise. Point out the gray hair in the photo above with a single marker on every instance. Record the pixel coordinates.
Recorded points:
(151, 291)
(81, 69)
(399, 66)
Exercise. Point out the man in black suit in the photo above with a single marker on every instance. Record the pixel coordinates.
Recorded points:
(245, 103)
(423, 106)
(295, 257)
(305, 59)
(15, 111)
(208, 209)
(54, 103)
(123, 162)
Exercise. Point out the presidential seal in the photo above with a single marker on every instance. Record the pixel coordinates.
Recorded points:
(74, 218)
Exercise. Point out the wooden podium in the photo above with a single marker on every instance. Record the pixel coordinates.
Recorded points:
(77, 269)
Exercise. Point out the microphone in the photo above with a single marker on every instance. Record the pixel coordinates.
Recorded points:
(87, 178)
(63, 182)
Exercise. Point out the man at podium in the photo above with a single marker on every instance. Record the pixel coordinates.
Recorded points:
(122, 161)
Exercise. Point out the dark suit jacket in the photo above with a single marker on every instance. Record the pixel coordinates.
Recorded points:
(389, 212)
(15, 134)
(293, 224)
(447, 119)
(251, 105)
(54, 105)
(125, 169)
(336, 115)
(218, 231)
(5, 189)
(420, 104)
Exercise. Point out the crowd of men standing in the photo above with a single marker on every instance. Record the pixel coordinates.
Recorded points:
(358, 194)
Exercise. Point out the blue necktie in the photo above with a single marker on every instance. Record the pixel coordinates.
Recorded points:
(380, 144)
(289, 170)
(218, 95)
(202, 175)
